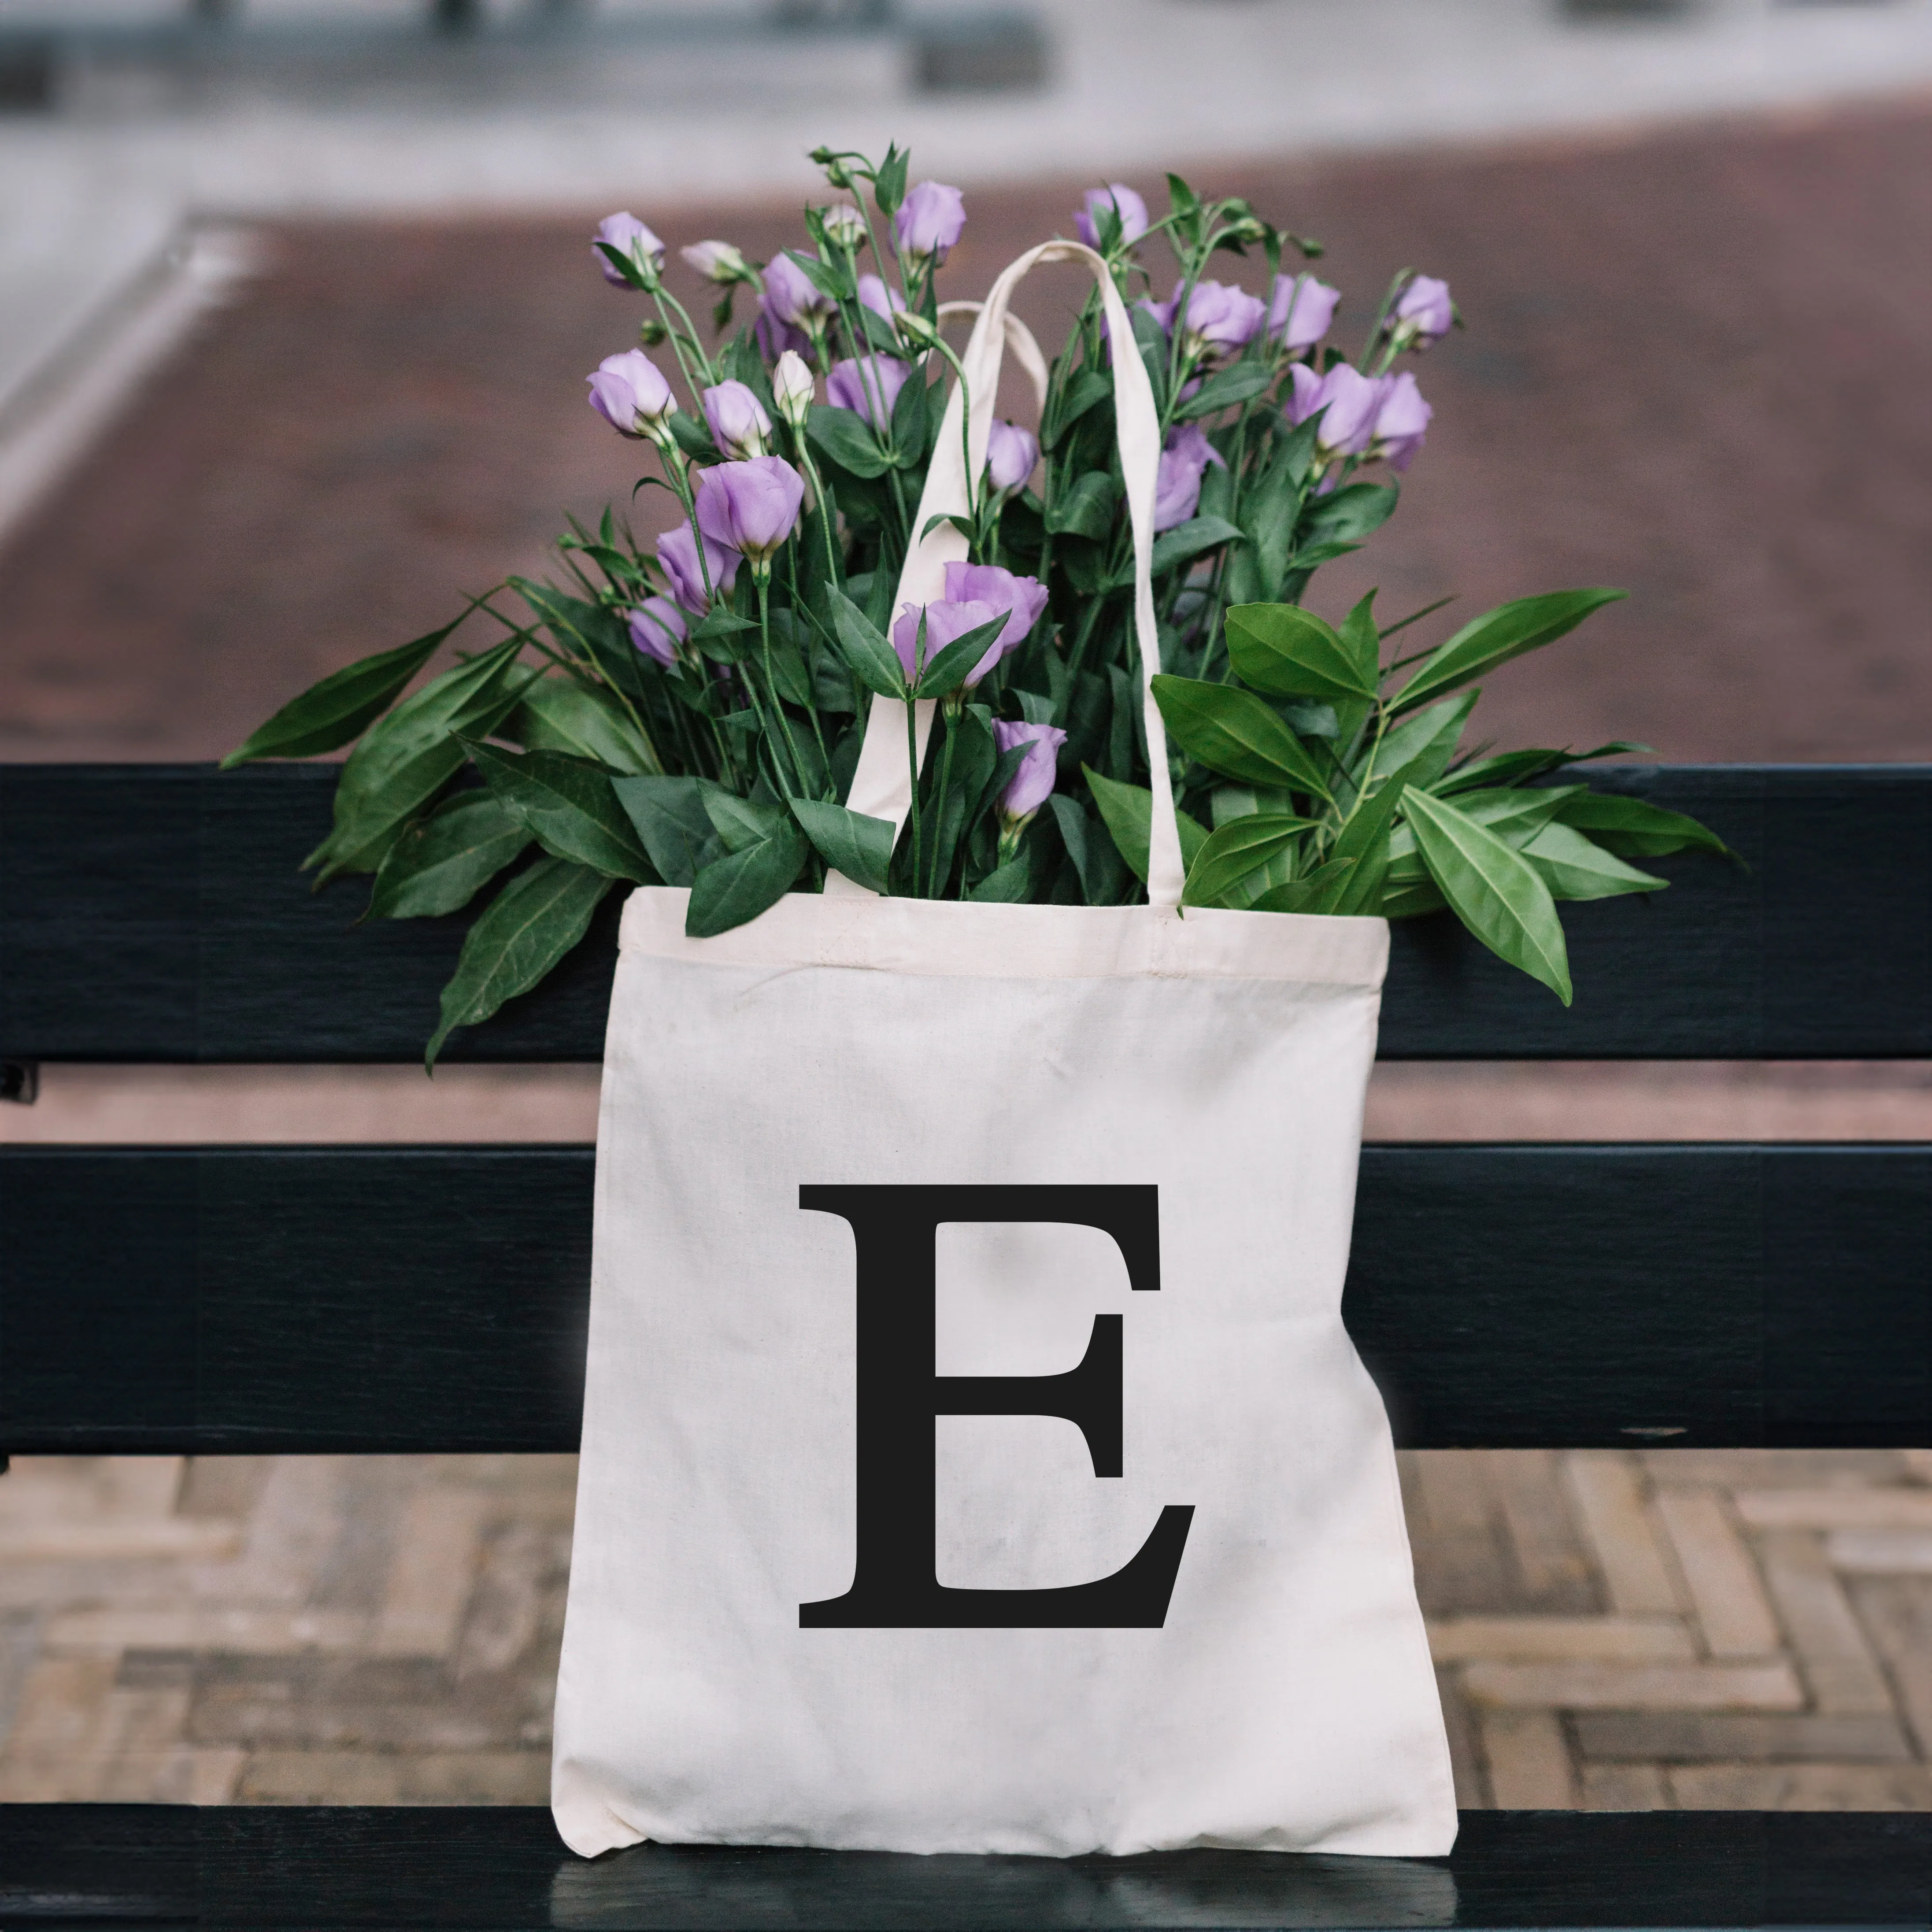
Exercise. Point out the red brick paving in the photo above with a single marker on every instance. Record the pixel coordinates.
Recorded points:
(1697, 366)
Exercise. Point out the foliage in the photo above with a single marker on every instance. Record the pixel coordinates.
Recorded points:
(636, 722)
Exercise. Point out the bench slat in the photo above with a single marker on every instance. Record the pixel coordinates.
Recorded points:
(260, 1299)
(154, 913)
(282, 1867)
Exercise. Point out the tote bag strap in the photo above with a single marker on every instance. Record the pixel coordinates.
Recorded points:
(882, 785)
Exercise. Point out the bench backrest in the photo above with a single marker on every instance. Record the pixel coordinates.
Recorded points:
(291, 1299)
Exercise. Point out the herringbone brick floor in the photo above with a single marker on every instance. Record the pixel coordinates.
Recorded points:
(1615, 1631)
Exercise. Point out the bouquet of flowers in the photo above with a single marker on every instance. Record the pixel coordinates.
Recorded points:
(691, 715)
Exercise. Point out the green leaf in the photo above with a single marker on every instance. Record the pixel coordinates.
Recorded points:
(1514, 813)
(1069, 404)
(1320, 891)
(1498, 635)
(568, 806)
(828, 278)
(1239, 384)
(1127, 812)
(558, 714)
(1428, 741)
(439, 863)
(1366, 836)
(1498, 894)
(693, 437)
(1634, 829)
(739, 886)
(406, 758)
(889, 183)
(1348, 514)
(1009, 885)
(848, 841)
(670, 819)
(1087, 509)
(523, 932)
(328, 715)
(1102, 876)
(1186, 540)
(1412, 901)
(1267, 514)
(844, 437)
(1574, 868)
(1363, 641)
(873, 661)
(1286, 652)
(742, 822)
(1236, 852)
(909, 411)
(1233, 732)
(946, 669)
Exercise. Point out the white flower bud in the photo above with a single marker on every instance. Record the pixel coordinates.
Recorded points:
(844, 226)
(717, 262)
(915, 330)
(792, 387)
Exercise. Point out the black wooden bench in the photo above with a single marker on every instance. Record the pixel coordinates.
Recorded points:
(204, 1301)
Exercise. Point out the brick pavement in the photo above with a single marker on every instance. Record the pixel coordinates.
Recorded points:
(1615, 1630)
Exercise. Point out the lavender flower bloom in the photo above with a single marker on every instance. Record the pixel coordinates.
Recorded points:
(875, 296)
(774, 337)
(630, 393)
(1177, 489)
(791, 295)
(630, 237)
(738, 420)
(1032, 785)
(930, 221)
(1402, 423)
(677, 553)
(657, 628)
(1222, 319)
(1117, 195)
(717, 262)
(1299, 321)
(867, 385)
(1352, 401)
(947, 620)
(1023, 599)
(1011, 454)
(1424, 314)
(752, 506)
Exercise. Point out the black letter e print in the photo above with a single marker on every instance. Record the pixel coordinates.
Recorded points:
(895, 1582)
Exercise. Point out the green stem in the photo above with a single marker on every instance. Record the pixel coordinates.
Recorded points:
(912, 766)
(935, 882)
(761, 576)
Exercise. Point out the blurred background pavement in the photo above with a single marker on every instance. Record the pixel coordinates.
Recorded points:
(295, 302)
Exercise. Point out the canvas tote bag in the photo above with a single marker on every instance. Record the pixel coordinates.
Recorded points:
(974, 1457)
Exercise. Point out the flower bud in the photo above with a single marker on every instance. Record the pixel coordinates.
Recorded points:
(630, 393)
(844, 226)
(1424, 314)
(737, 420)
(791, 296)
(651, 332)
(930, 221)
(752, 507)
(717, 262)
(792, 387)
(1115, 201)
(1011, 454)
(635, 244)
(914, 329)
(1032, 785)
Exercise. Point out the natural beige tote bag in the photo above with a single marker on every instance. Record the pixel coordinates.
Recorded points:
(974, 1460)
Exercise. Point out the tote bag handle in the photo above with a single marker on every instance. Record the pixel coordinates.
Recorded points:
(882, 783)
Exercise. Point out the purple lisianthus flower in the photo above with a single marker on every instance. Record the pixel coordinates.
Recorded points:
(774, 337)
(1222, 319)
(738, 420)
(1023, 599)
(868, 385)
(1402, 423)
(630, 237)
(630, 393)
(1122, 199)
(1032, 785)
(1424, 314)
(792, 296)
(677, 553)
(1177, 489)
(657, 628)
(947, 620)
(1351, 400)
(1011, 454)
(875, 295)
(1301, 311)
(752, 506)
(930, 221)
